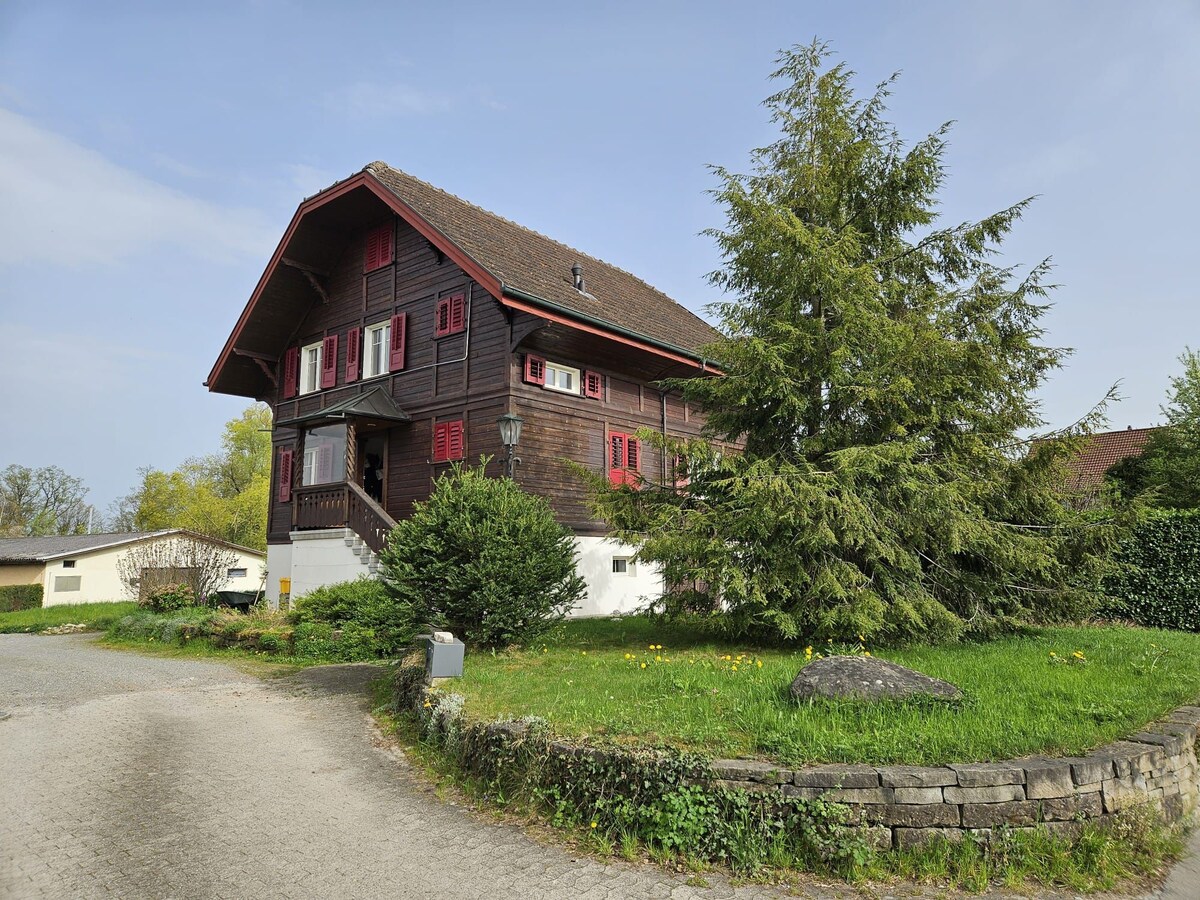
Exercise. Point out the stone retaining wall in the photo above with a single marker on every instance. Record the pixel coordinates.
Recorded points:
(905, 805)
(902, 806)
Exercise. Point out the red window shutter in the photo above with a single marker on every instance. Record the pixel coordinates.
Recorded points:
(454, 439)
(632, 460)
(380, 248)
(291, 372)
(593, 385)
(285, 476)
(397, 343)
(441, 441)
(387, 244)
(329, 361)
(458, 313)
(442, 322)
(353, 351)
(616, 458)
(535, 369)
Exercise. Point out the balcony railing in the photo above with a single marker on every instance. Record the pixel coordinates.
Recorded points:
(341, 505)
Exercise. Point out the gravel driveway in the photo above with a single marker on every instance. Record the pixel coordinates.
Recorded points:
(157, 778)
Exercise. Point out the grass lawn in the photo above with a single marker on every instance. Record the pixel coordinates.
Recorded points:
(1018, 701)
(97, 616)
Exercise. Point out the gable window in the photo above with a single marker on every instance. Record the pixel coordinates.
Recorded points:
(562, 378)
(448, 441)
(376, 349)
(624, 455)
(68, 563)
(66, 582)
(380, 248)
(310, 368)
(451, 315)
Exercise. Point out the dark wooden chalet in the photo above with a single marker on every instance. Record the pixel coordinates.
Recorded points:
(393, 326)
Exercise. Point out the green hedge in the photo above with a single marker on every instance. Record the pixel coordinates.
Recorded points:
(1158, 584)
(20, 596)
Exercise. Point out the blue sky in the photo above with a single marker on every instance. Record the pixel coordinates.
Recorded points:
(152, 154)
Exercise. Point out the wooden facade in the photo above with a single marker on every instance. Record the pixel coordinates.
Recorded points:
(325, 286)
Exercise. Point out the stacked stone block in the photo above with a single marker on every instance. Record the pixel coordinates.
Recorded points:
(903, 806)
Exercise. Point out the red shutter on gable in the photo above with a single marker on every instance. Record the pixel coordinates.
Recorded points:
(593, 385)
(291, 372)
(353, 349)
(451, 315)
(380, 248)
(329, 361)
(396, 345)
(285, 476)
(535, 369)
(458, 313)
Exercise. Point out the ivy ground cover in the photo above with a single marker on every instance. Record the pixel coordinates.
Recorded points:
(1054, 691)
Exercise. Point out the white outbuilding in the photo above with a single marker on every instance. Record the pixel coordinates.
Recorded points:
(83, 568)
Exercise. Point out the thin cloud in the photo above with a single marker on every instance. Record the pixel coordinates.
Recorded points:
(373, 100)
(67, 205)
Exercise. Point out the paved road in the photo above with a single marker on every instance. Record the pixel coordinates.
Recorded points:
(155, 778)
(123, 775)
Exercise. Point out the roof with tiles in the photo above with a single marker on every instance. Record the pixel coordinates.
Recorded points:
(1104, 450)
(531, 263)
(18, 550)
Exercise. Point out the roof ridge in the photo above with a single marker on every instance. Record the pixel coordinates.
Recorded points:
(371, 167)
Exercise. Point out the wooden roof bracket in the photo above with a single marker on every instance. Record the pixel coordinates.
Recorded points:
(311, 274)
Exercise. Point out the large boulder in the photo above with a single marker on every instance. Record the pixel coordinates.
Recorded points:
(868, 678)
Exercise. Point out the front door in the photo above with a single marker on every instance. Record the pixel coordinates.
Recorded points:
(372, 465)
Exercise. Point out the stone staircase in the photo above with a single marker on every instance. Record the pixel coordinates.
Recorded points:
(365, 554)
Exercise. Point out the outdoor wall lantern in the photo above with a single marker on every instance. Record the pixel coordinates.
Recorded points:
(510, 436)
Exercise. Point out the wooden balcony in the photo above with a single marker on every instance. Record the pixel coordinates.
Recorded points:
(341, 505)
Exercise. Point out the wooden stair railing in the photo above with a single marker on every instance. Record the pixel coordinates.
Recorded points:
(342, 505)
(367, 519)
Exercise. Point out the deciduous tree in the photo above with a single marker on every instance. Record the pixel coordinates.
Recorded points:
(42, 501)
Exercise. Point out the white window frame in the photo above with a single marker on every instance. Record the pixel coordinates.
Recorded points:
(630, 567)
(574, 376)
(310, 371)
(384, 329)
(237, 572)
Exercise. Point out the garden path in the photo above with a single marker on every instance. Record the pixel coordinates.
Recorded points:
(133, 776)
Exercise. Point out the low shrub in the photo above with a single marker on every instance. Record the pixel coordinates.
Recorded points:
(365, 621)
(169, 597)
(173, 627)
(484, 559)
(14, 597)
(1158, 580)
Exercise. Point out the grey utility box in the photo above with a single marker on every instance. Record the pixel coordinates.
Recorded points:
(443, 655)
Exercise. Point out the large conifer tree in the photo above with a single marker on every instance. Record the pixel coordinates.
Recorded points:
(878, 370)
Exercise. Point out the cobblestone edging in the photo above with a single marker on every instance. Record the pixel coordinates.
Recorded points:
(903, 806)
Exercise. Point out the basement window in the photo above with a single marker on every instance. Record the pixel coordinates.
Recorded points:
(623, 565)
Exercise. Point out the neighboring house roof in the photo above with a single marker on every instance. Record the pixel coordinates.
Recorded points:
(1104, 450)
(521, 268)
(526, 262)
(25, 550)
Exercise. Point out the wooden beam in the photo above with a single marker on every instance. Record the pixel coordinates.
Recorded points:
(303, 267)
(251, 354)
(520, 332)
(317, 286)
(267, 370)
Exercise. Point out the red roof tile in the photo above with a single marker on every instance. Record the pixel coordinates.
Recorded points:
(1103, 451)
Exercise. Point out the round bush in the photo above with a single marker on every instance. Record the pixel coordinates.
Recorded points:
(169, 597)
(483, 559)
(371, 621)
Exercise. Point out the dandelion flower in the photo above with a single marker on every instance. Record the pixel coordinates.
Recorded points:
(1052, 653)
(658, 659)
(759, 663)
(643, 665)
(866, 653)
(593, 824)
(735, 667)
